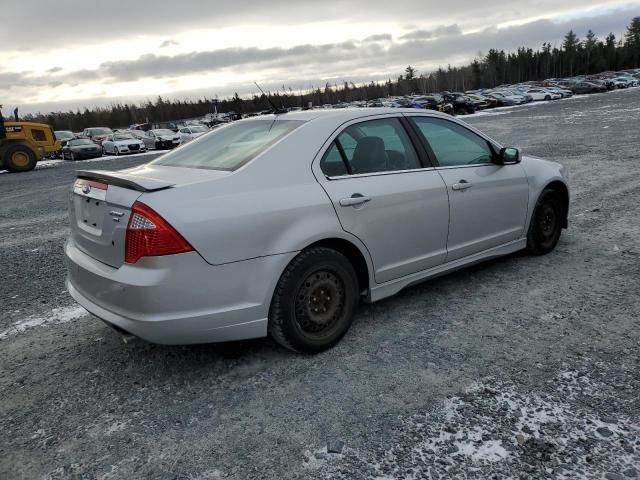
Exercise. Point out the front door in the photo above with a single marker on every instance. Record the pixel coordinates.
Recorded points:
(384, 196)
(488, 202)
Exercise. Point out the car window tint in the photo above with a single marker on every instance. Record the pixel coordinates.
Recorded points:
(230, 147)
(332, 164)
(378, 146)
(348, 144)
(452, 144)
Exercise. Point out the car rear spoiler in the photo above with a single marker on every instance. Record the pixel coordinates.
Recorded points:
(126, 180)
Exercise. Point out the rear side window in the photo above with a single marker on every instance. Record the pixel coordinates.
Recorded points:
(332, 164)
(369, 147)
(229, 147)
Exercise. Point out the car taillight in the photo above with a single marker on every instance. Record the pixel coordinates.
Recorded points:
(149, 235)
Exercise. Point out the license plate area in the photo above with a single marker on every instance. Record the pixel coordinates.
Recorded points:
(90, 203)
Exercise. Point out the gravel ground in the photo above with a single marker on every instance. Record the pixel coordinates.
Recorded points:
(517, 368)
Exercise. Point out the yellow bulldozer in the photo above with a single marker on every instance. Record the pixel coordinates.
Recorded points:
(23, 144)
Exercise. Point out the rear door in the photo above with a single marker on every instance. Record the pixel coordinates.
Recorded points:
(385, 196)
(488, 202)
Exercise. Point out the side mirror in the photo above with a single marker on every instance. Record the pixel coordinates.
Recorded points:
(509, 155)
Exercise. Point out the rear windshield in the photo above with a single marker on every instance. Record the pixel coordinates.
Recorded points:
(229, 147)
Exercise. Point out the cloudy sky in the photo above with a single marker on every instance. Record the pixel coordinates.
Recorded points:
(68, 53)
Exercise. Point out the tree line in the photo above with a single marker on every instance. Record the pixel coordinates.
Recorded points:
(575, 56)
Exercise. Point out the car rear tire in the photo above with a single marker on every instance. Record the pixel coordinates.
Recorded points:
(546, 224)
(314, 302)
(20, 158)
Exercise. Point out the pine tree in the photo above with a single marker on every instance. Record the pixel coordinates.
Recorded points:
(570, 47)
(409, 72)
(632, 43)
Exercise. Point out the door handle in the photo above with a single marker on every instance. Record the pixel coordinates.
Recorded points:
(354, 200)
(461, 185)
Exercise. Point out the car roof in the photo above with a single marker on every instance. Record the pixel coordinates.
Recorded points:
(344, 114)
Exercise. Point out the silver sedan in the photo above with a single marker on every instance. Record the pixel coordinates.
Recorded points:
(281, 225)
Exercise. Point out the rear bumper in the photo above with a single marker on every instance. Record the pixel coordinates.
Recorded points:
(177, 299)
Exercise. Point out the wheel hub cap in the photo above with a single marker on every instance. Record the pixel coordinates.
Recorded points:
(319, 302)
(547, 221)
(20, 159)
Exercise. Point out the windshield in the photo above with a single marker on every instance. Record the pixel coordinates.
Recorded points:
(100, 131)
(163, 131)
(230, 147)
(123, 136)
(81, 141)
(62, 135)
(198, 130)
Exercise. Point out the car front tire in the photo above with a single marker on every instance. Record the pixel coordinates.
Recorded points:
(314, 302)
(546, 224)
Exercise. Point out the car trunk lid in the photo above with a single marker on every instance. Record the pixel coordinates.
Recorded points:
(101, 201)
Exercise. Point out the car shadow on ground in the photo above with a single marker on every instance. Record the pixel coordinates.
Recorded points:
(265, 350)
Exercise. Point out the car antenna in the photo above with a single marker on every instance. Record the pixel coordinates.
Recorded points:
(276, 110)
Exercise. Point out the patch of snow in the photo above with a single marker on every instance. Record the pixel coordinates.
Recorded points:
(57, 316)
(117, 426)
(494, 429)
(48, 163)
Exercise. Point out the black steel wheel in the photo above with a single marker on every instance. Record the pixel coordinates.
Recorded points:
(546, 224)
(314, 302)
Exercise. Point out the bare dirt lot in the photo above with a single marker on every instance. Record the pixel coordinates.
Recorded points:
(524, 367)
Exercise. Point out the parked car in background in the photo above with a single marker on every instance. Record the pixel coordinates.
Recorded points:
(63, 136)
(539, 94)
(122, 143)
(462, 104)
(190, 132)
(515, 93)
(505, 100)
(482, 101)
(564, 92)
(97, 134)
(161, 139)
(438, 103)
(586, 87)
(622, 82)
(139, 134)
(80, 149)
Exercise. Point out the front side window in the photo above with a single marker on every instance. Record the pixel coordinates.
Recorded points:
(372, 146)
(452, 144)
(228, 148)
